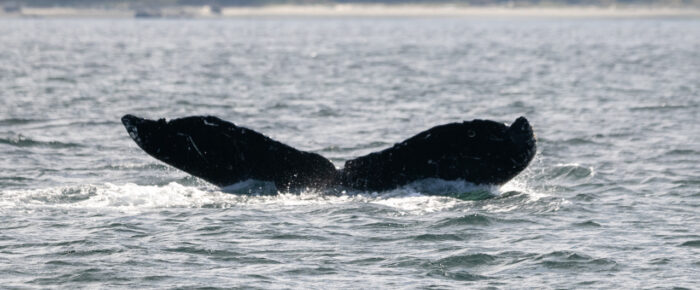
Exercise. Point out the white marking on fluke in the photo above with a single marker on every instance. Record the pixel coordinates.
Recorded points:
(133, 133)
(189, 138)
(209, 124)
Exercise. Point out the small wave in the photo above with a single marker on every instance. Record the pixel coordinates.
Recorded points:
(469, 260)
(438, 237)
(61, 79)
(90, 122)
(683, 152)
(92, 252)
(202, 105)
(81, 242)
(18, 121)
(574, 260)
(123, 228)
(587, 224)
(311, 271)
(62, 263)
(325, 111)
(454, 267)
(660, 261)
(9, 181)
(586, 196)
(90, 275)
(14, 178)
(584, 141)
(571, 171)
(693, 244)
(663, 107)
(472, 219)
(367, 261)
(298, 237)
(384, 225)
(476, 220)
(203, 251)
(457, 275)
(579, 141)
(23, 141)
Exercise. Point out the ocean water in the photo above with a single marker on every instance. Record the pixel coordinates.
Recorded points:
(610, 201)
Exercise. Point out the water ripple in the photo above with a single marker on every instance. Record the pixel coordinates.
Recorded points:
(574, 260)
(22, 141)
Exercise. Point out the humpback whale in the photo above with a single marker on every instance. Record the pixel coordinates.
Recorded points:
(222, 153)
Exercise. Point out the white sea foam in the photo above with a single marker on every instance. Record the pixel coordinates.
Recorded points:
(129, 196)
(424, 196)
(126, 196)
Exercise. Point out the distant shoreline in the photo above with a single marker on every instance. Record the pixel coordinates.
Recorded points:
(355, 10)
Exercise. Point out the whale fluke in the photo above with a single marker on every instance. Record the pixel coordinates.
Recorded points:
(478, 151)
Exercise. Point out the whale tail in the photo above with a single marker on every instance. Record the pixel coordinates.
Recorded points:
(478, 151)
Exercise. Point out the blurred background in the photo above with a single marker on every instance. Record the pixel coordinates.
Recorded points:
(218, 8)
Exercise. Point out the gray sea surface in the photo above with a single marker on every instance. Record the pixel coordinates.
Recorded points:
(612, 199)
